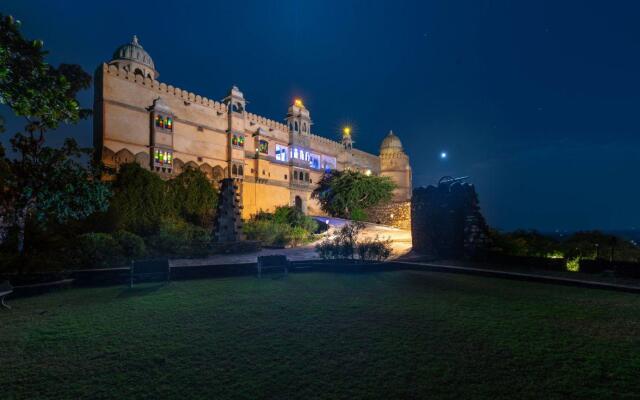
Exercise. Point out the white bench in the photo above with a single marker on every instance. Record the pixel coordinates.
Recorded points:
(5, 289)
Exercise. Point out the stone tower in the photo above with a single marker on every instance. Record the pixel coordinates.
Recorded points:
(299, 122)
(394, 163)
(227, 226)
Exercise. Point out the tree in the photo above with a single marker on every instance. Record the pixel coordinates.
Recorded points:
(139, 202)
(194, 198)
(526, 243)
(348, 194)
(41, 182)
(595, 244)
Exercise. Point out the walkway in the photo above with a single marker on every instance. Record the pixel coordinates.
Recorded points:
(400, 241)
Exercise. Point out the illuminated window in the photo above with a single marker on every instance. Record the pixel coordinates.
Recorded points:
(314, 161)
(237, 140)
(164, 122)
(263, 147)
(281, 153)
(295, 153)
(328, 163)
(162, 158)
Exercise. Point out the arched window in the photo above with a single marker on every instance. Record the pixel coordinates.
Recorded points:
(234, 107)
(240, 170)
(138, 71)
(306, 176)
(295, 126)
(234, 170)
(295, 175)
(304, 127)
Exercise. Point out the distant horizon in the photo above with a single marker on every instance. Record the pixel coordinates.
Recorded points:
(537, 103)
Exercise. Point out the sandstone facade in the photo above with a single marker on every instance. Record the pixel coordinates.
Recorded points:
(167, 129)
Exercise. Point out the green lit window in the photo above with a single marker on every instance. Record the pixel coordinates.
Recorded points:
(162, 158)
(237, 140)
(263, 147)
(164, 122)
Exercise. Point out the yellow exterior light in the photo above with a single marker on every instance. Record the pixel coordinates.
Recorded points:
(298, 103)
(347, 131)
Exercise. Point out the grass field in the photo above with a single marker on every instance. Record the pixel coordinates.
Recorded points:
(380, 335)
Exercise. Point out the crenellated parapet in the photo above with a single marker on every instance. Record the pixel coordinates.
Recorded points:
(323, 141)
(269, 123)
(163, 88)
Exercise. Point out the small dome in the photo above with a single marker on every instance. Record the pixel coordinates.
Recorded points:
(391, 143)
(134, 52)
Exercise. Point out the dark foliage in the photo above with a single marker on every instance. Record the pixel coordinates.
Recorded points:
(41, 183)
(347, 194)
(193, 197)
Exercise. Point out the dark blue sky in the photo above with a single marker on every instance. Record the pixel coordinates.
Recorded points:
(538, 101)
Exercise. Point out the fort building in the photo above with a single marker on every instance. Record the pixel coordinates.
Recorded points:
(167, 129)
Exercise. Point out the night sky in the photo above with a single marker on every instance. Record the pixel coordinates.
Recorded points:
(538, 101)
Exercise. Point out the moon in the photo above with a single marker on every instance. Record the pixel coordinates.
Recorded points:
(443, 155)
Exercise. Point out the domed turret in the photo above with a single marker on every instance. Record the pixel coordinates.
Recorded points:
(391, 144)
(394, 163)
(133, 58)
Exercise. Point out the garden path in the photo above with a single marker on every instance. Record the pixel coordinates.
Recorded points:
(400, 241)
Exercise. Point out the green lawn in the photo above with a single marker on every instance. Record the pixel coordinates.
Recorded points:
(380, 335)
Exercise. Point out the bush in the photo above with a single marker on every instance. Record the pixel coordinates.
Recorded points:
(286, 226)
(295, 218)
(267, 231)
(374, 249)
(346, 245)
(98, 250)
(193, 197)
(179, 238)
(132, 245)
(139, 202)
(358, 215)
(330, 249)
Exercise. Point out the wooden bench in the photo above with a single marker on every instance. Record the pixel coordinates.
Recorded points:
(278, 261)
(5, 289)
(150, 268)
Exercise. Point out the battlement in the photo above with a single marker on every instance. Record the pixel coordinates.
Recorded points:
(325, 141)
(269, 123)
(170, 90)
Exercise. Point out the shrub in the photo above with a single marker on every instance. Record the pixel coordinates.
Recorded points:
(269, 232)
(358, 215)
(331, 249)
(374, 249)
(343, 245)
(132, 245)
(179, 238)
(286, 226)
(295, 218)
(98, 250)
(193, 197)
(139, 201)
